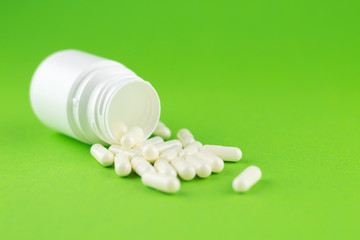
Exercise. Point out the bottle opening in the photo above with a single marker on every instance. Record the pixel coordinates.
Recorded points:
(136, 104)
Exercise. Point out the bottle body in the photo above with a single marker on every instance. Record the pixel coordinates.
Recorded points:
(87, 97)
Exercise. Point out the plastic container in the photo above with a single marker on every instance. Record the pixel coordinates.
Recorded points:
(86, 97)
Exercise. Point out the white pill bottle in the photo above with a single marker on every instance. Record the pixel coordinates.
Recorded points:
(88, 97)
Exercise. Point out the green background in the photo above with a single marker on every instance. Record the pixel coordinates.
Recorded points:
(279, 79)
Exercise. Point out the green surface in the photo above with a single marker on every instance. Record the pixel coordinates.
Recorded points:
(279, 79)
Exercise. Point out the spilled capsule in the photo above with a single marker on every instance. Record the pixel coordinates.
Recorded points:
(216, 163)
(132, 137)
(140, 165)
(153, 140)
(230, 154)
(164, 183)
(115, 149)
(162, 130)
(163, 166)
(102, 155)
(161, 147)
(131, 153)
(184, 169)
(119, 130)
(191, 149)
(122, 164)
(185, 137)
(150, 152)
(246, 179)
(171, 153)
(202, 168)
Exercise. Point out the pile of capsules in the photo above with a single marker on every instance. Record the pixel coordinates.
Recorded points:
(159, 162)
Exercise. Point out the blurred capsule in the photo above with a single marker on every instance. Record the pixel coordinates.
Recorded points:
(184, 169)
(216, 163)
(102, 155)
(162, 166)
(122, 164)
(231, 154)
(162, 130)
(246, 179)
(132, 137)
(202, 168)
(185, 137)
(161, 182)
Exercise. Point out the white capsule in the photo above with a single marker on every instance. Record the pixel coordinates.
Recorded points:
(164, 183)
(202, 168)
(216, 163)
(163, 166)
(122, 164)
(153, 140)
(171, 153)
(131, 153)
(140, 165)
(231, 154)
(150, 152)
(185, 170)
(196, 144)
(246, 179)
(191, 149)
(119, 130)
(115, 149)
(102, 155)
(162, 130)
(161, 147)
(185, 137)
(132, 137)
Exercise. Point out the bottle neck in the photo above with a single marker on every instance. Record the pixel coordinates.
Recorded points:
(109, 95)
(101, 108)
